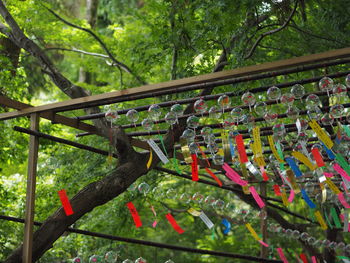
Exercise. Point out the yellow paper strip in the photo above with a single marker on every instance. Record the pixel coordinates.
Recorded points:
(150, 159)
(332, 186)
(185, 151)
(324, 193)
(302, 158)
(257, 140)
(284, 197)
(226, 147)
(321, 220)
(252, 231)
(293, 182)
(274, 150)
(193, 212)
(321, 134)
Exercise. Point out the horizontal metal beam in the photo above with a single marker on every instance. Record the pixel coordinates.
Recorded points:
(152, 244)
(59, 119)
(111, 97)
(234, 93)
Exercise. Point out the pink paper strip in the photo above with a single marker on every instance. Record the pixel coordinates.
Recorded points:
(257, 197)
(230, 173)
(281, 254)
(341, 216)
(341, 172)
(263, 243)
(314, 260)
(154, 223)
(329, 175)
(342, 200)
(291, 196)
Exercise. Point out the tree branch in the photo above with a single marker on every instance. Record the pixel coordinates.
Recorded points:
(261, 37)
(102, 44)
(21, 40)
(294, 26)
(77, 51)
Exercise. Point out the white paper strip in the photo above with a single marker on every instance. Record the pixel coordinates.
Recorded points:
(252, 169)
(206, 220)
(298, 124)
(158, 151)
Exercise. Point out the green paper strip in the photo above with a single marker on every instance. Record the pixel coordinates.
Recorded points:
(328, 221)
(342, 162)
(312, 215)
(279, 150)
(175, 164)
(343, 257)
(347, 130)
(335, 217)
(163, 145)
(213, 234)
(280, 153)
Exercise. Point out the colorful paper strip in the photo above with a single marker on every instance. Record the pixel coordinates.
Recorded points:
(174, 224)
(281, 254)
(318, 157)
(227, 225)
(65, 202)
(243, 158)
(257, 197)
(134, 214)
(274, 150)
(303, 258)
(214, 176)
(292, 164)
(341, 171)
(320, 220)
(307, 199)
(194, 166)
(321, 134)
(277, 190)
(302, 158)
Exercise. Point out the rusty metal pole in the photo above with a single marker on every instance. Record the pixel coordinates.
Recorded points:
(30, 194)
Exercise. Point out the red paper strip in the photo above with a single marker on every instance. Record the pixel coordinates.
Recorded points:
(203, 154)
(135, 215)
(243, 158)
(214, 176)
(174, 224)
(303, 258)
(65, 202)
(281, 254)
(264, 174)
(277, 190)
(194, 168)
(318, 158)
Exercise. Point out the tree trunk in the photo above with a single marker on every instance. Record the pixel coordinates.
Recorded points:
(91, 196)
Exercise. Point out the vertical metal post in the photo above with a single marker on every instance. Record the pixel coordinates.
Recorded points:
(263, 223)
(30, 194)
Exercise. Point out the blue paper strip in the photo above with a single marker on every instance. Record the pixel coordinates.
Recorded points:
(307, 199)
(293, 166)
(232, 149)
(227, 225)
(329, 152)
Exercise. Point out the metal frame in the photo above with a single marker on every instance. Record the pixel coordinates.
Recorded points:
(198, 82)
